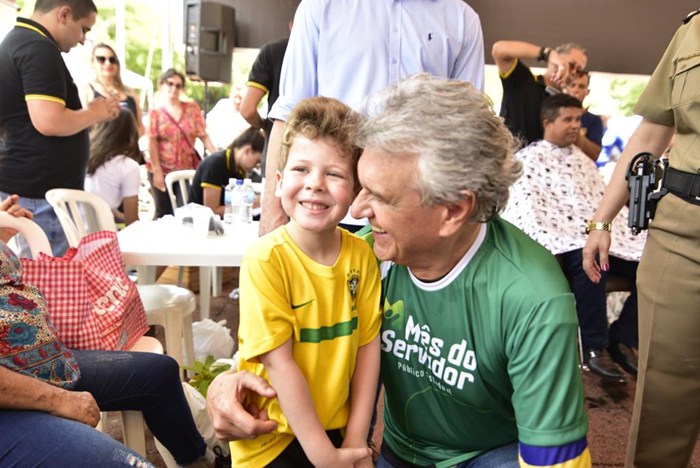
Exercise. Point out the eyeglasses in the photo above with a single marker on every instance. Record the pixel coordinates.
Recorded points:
(172, 84)
(102, 59)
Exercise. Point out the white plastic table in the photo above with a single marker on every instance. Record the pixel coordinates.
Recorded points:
(146, 244)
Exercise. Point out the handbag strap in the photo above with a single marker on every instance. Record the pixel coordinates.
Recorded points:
(172, 119)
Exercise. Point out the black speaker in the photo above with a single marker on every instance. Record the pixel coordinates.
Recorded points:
(209, 40)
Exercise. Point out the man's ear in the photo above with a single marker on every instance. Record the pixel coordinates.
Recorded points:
(64, 14)
(456, 214)
(278, 186)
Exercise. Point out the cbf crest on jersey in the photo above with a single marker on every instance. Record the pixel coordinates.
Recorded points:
(353, 282)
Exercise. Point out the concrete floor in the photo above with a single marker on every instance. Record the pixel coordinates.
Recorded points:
(609, 407)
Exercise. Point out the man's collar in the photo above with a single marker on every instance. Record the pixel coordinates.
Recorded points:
(554, 145)
(36, 27)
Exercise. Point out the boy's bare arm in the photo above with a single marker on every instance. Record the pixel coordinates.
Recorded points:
(363, 389)
(298, 407)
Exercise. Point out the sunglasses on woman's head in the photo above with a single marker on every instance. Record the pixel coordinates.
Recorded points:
(173, 84)
(101, 59)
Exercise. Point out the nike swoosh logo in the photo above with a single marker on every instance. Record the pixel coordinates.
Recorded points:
(296, 306)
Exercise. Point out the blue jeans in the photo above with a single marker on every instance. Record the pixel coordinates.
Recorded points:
(505, 456)
(145, 382)
(33, 438)
(118, 381)
(44, 216)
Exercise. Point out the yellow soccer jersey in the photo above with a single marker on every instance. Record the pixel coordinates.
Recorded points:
(328, 311)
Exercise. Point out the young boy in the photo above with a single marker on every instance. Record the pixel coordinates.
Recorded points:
(310, 304)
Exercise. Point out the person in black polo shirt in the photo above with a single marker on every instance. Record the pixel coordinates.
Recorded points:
(237, 161)
(264, 78)
(523, 92)
(44, 142)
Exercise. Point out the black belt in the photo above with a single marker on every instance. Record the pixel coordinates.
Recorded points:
(684, 185)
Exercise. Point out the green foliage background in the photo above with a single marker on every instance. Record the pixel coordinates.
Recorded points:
(626, 93)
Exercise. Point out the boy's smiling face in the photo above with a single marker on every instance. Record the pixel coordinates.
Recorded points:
(317, 185)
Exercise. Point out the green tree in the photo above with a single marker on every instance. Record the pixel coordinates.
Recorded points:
(626, 93)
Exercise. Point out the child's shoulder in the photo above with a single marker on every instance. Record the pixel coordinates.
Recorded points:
(356, 243)
(265, 245)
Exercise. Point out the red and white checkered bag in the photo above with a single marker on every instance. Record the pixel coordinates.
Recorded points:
(91, 301)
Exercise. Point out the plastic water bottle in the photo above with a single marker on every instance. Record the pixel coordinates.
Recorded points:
(248, 200)
(237, 207)
(228, 207)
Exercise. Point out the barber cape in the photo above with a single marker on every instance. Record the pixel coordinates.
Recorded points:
(558, 192)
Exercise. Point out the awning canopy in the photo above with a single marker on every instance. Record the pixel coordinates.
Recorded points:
(621, 36)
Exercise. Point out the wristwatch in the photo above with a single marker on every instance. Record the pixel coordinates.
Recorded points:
(597, 226)
(543, 56)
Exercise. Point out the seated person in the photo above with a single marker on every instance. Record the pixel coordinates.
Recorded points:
(113, 170)
(552, 202)
(237, 162)
(42, 423)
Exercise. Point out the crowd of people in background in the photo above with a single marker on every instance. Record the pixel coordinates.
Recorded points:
(476, 222)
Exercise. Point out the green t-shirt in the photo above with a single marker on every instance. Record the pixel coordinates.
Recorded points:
(483, 357)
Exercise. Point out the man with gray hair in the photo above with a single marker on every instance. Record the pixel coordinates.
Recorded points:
(479, 360)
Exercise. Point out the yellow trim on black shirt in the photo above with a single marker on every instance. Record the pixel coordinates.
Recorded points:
(228, 160)
(29, 26)
(509, 72)
(43, 97)
(258, 85)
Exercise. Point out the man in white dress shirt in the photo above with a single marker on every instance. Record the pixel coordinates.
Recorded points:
(350, 49)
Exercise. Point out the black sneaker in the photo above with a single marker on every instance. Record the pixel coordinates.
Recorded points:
(599, 362)
(625, 356)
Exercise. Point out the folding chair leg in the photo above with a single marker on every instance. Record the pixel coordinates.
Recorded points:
(134, 431)
(216, 281)
(180, 275)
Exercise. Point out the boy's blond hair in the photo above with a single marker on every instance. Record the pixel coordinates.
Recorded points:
(327, 118)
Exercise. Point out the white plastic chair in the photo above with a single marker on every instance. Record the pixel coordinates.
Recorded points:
(132, 421)
(181, 181)
(171, 307)
(32, 232)
(147, 207)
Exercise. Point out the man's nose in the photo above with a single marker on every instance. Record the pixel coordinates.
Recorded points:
(358, 209)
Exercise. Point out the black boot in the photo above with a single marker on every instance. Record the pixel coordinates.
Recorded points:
(625, 356)
(600, 363)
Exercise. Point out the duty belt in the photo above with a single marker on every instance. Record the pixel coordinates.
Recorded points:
(684, 185)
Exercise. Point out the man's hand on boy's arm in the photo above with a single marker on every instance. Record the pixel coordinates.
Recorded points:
(225, 398)
(363, 389)
(298, 407)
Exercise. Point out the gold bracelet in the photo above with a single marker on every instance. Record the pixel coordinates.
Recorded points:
(598, 226)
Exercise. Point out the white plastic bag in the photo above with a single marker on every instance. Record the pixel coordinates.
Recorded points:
(213, 338)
